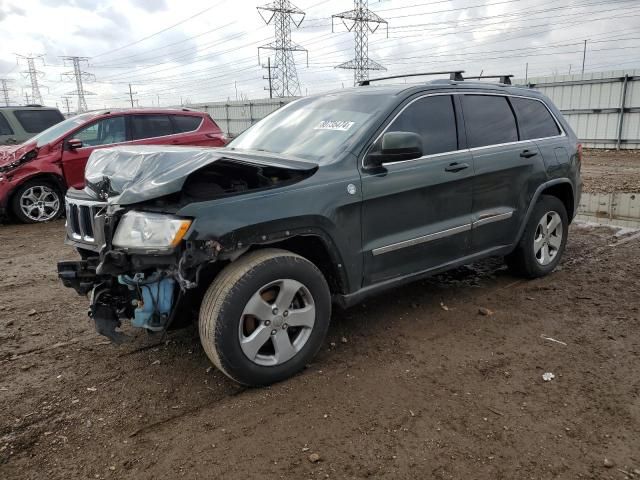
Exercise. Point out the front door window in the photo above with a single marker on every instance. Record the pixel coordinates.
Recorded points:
(104, 132)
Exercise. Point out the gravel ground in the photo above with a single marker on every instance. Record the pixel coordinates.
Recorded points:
(415, 383)
(607, 171)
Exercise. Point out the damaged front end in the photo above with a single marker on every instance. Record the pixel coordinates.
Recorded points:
(142, 262)
(142, 272)
(138, 276)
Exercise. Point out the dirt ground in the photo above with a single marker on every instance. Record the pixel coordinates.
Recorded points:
(606, 171)
(415, 383)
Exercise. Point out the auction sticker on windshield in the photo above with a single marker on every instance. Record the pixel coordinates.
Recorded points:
(340, 125)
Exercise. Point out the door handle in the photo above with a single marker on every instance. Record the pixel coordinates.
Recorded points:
(456, 167)
(528, 154)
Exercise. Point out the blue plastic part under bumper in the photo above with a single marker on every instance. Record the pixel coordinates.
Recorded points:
(155, 305)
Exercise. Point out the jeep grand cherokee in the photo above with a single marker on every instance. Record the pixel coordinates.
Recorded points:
(330, 199)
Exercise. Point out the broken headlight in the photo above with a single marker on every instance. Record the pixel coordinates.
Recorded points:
(150, 231)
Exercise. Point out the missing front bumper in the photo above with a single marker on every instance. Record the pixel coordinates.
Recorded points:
(79, 275)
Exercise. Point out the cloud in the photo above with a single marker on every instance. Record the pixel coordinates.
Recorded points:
(207, 56)
(7, 10)
(150, 5)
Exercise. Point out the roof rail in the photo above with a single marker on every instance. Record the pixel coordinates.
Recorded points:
(455, 75)
(506, 79)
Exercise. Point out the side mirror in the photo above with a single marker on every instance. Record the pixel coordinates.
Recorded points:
(74, 144)
(396, 147)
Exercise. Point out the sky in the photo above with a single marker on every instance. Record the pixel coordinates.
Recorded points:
(175, 52)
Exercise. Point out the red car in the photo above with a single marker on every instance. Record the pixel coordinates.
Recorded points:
(35, 175)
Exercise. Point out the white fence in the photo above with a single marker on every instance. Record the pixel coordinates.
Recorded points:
(235, 117)
(603, 108)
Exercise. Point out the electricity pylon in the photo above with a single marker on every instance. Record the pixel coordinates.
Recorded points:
(5, 89)
(283, 14)
(79, 76)
(33, 74)
(363, 21)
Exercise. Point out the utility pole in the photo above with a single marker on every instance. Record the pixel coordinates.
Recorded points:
(282, 14)
(26, 98)
(131, 94)
(584, 55)
(4, 89)
(66, 103)
(79, 76)
(268, 77)
(526, 73)
(363, 21)
(33, 74)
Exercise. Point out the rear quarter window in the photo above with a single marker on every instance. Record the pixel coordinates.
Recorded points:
(489, 120)
(185, 123)
(5, 128)
(534, 119)
(150, 126)
(36, 121)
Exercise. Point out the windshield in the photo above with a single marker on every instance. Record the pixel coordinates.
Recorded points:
(312, 128)
(60, 129)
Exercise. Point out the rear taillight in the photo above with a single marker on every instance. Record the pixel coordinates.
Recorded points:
(579, 155)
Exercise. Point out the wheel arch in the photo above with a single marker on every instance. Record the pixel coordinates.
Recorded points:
(564, 192)
(319, 249)
(51, 178)
(561, 188)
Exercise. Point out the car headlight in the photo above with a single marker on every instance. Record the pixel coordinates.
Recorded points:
(152, 231)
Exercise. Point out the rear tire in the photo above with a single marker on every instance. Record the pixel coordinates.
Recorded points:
(265, 316)
(543, 241)
(37, 201)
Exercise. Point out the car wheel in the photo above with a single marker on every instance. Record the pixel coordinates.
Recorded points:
(265, 316)
(543, 241)
(37, 201)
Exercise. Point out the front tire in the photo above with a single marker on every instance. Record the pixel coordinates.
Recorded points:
(543, 241)
(265, 316)
(37, 201)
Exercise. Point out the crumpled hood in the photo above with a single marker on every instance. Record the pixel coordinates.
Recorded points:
(11, 153)
(133, 174)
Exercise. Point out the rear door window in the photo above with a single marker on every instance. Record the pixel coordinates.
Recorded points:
(185, 123)
(534, 119)
(5, 128)
(150, 126)
(35, 121)
(489, 120)
(433, 118)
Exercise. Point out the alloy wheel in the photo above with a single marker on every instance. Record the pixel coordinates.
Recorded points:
(277, 322)
(548, 238)
(40, 203)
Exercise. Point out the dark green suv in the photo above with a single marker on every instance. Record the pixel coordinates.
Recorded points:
(328, 200)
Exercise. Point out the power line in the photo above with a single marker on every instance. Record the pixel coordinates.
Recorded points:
(79, 76)
(282, 15)
(158, 32)
(362, 20)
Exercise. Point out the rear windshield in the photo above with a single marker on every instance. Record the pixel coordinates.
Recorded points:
(313, 128)
(35, 121)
